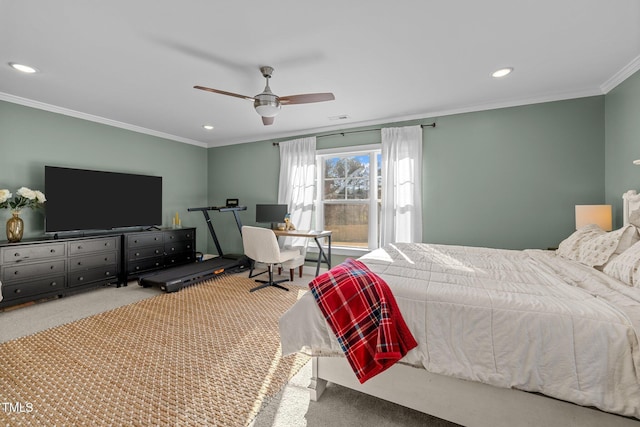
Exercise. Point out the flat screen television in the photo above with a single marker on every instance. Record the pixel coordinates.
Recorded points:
(81, 200)
(271, 213)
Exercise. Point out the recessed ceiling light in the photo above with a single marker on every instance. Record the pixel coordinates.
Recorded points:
(502, 72)
(208, 127)
(23, 68)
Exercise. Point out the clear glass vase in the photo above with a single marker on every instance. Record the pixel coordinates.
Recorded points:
(15, 228)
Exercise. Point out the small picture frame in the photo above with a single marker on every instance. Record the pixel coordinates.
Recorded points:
(232, 203)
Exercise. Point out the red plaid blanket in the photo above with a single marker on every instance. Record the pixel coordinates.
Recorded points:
(364, 317)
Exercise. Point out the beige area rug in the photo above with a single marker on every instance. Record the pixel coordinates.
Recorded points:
(208, 355)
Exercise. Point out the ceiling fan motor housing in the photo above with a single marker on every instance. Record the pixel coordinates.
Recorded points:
(267, 104)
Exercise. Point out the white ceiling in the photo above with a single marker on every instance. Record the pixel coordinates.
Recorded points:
(134, 63)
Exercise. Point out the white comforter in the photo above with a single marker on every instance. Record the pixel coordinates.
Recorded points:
(524, 319)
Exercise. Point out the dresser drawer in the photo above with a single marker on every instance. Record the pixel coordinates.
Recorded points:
(178, 247)
(93, 245)
(144, 265)
(93, 261)
(148, 252)
(32, 252)
(145, 239)
(178, 235)
(79, 278)
(31, 288)
(17, 272)
(180, 258)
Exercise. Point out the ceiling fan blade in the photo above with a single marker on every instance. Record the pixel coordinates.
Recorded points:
(267, 120)
(222, 92)
(306, 98)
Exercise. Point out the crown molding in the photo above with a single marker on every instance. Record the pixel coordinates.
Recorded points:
(606, 87)
(421, 116)
(90, 117)
(621, 75)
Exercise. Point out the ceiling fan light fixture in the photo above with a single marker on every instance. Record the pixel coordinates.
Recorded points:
(269, 110)
(208, 127)
(267, 105)
(502, 72)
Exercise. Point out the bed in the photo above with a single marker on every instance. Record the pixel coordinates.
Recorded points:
(504, 337)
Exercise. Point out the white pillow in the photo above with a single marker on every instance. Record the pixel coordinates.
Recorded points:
(634, 218)
(628, 238)
(572, 242)
(590, 245)
(625, 266)
(570, 247)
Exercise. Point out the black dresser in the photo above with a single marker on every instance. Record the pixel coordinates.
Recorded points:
(37, 269)
(147, 251)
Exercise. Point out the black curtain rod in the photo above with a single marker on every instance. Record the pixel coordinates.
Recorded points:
(430, 125)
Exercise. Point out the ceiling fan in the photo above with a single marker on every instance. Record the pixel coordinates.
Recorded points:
(268, 104)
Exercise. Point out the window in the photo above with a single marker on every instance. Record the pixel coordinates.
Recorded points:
(348, 195)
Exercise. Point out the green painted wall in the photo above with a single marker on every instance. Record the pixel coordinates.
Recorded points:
(510, 178)
(32, 138)
(246, 172)
(506, 178)
(502, 178)
(622, 123)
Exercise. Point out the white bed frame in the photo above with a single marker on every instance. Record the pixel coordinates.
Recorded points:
(630, 203)
(468, 403)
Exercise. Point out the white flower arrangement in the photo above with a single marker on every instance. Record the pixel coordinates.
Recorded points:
(25, 198)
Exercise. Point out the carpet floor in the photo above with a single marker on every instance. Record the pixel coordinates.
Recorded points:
(207, 355)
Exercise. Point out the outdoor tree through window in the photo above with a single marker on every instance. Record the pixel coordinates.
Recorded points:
(349, 199)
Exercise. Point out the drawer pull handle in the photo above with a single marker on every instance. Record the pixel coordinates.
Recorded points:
(107, 274)
(157, 264)
(171, 237)
(53, 251)
(79, 262)
(16, 254)
(106, 244)
(16, 272)
(135, 241)
(53, 284)
(137, 253)
(157, 251)
(106, 258)
(52, 267)
(155, 238)
(80, 279)
(18, 291)
(79, 246)
(137, 268)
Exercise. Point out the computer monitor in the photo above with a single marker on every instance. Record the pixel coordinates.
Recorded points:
(272, 214)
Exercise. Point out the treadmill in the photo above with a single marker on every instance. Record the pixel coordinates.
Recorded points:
(176, 278)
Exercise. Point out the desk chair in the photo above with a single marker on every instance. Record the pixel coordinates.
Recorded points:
(296, 262)
(261, 245)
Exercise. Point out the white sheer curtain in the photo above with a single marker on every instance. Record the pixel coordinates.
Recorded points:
(401, 213)
(296, 187)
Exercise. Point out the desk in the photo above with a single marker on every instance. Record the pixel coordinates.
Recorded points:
(315, 235)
